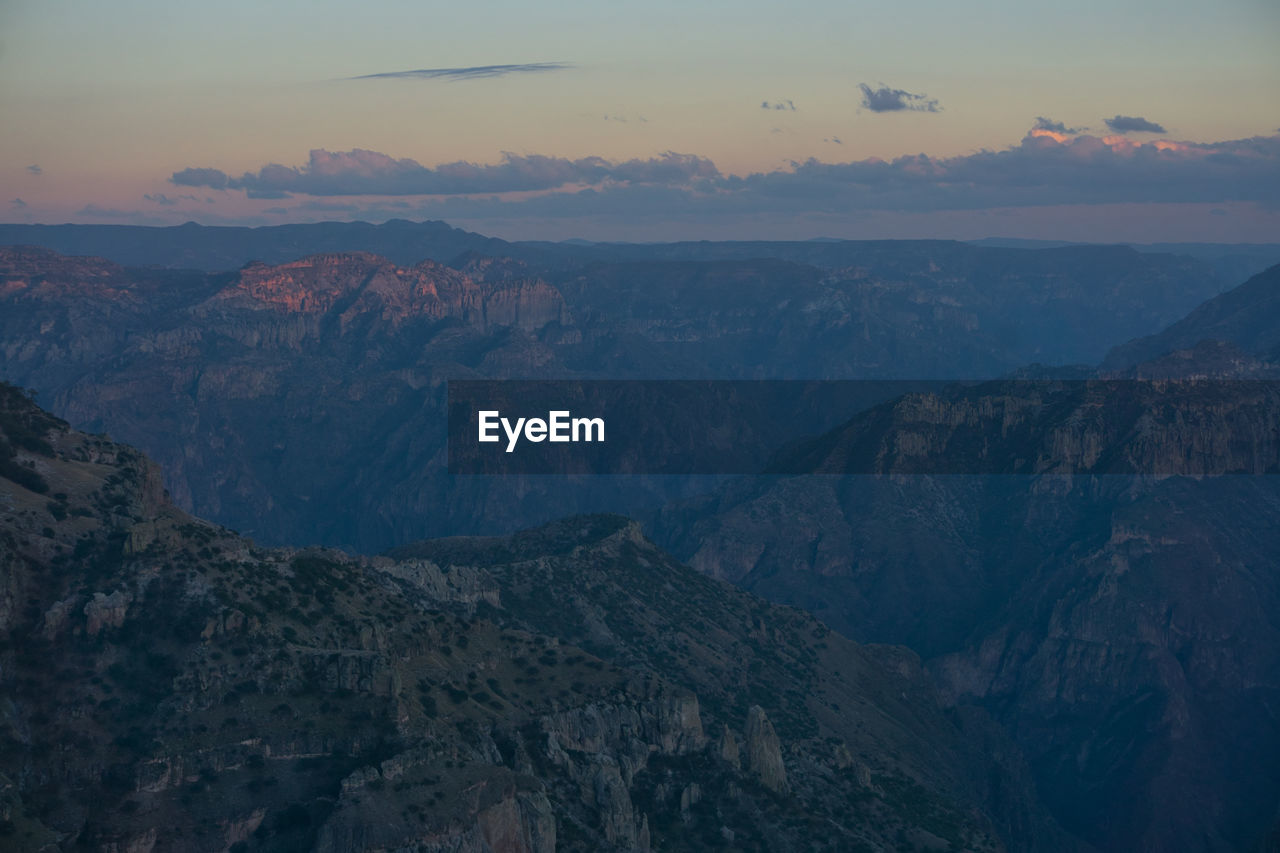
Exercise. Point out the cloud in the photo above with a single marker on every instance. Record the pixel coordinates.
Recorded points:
(1040, 170)
(35, 169)
(785, 105)
(213, 178)
(1044, 169)
(361, 172)
(329, 207)
(472, 72)
(886, 100)
(834, 139)
(18, 204)
(1049, 124)
(1132, 124)
(171, 201)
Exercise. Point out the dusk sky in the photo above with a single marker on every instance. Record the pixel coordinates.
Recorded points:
(1092, 120)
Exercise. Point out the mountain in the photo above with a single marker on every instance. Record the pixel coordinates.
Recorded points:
(1232, 261)
(168, 684)
(1113, 606)
(1247, 316)
(1200, 427)
(303, 401)
(225, 248)
(221, 248)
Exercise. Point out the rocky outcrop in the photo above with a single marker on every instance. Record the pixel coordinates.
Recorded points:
(524, 304)
(729, 748)
(670, 725)
(519, 824)
(106, 611)
(611, 796)
(464, 585)
(56, 617)
(352, 289)
(764, 751)
(497, 813)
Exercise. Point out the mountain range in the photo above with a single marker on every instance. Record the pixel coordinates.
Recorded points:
(1079, 652)
(258, 389)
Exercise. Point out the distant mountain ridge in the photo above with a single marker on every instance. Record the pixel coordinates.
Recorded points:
(221, 248)
(1247, 316)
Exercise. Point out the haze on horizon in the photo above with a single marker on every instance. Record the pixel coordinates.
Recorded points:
(1155, 121)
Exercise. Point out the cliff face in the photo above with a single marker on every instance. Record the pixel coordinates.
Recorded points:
(351, 289)
(170, 685)
(1139, 686)
(1121, 627)
(1171, 427)
(303, 373)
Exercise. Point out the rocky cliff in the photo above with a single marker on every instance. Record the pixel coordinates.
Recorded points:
(1113, 606)
(169, 685)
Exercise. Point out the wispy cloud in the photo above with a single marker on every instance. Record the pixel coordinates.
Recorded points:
(470, 72)
(785, 105)
(1133, 124)
(887, 100)
(35, 169)
(18, 204)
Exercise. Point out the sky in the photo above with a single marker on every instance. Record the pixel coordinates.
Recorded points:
(1101, 121)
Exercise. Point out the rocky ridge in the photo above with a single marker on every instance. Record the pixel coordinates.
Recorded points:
(170, 685)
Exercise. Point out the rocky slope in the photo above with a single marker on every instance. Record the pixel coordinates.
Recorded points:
(1245, 316)
(168, 685)
(1121, 627)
